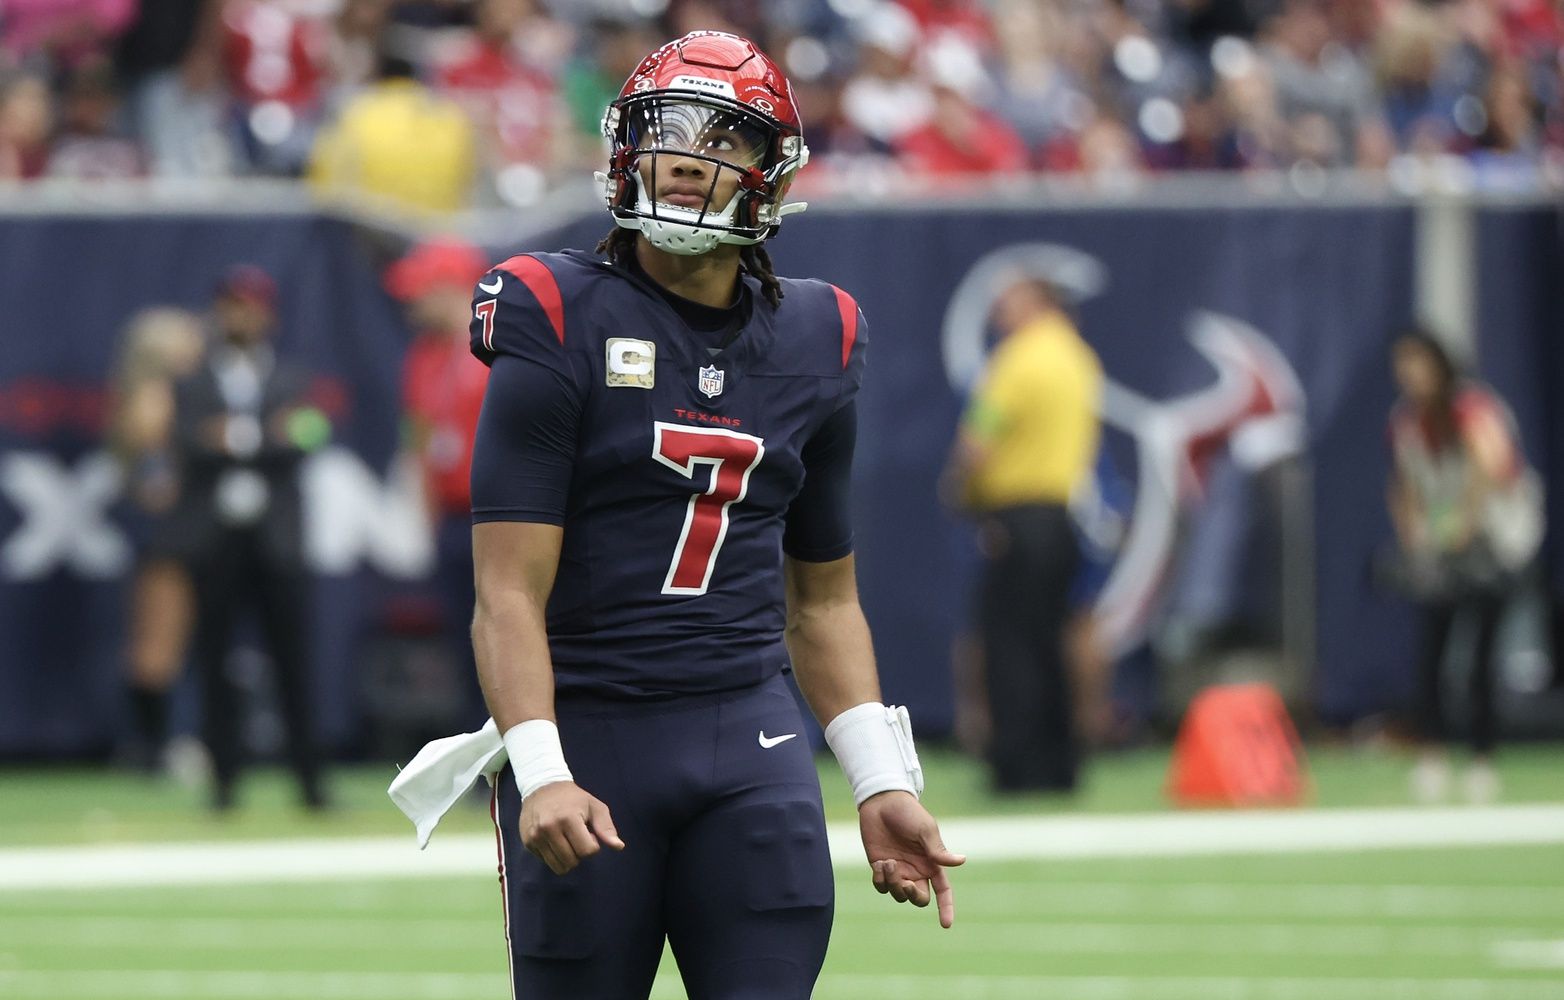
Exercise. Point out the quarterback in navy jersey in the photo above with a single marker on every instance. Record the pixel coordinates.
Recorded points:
(661, 530)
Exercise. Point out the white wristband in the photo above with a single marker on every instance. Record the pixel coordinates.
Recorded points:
(873, 743)
(536, 758)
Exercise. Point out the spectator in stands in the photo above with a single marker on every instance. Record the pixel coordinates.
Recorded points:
(1316, 76)
(1508, 152)
(887, 99)
(1468, 517)
(243, 426)
(442, 394)
(1026, 443)
(160, 347)
(967, 20)
(1409, 54)
(1036, 94)
(216, 87)
(1109, 155)
(91, 145)
(1207, 140)
(171, 63)
(515, 106)
(961, 137)
(398, 144)
(276, 61)
(26, 127)
(1248, 96)
(353, 48)
(63, 32)
(611, 50)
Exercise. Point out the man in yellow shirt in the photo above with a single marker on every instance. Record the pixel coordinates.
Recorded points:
(1027, 441)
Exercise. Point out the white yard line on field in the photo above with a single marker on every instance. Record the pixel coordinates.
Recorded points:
(1541, 954)
(1064, 898)
(1511, 946)
(985, 839)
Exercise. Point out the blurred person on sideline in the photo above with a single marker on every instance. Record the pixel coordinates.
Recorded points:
(662, 529)
(398, 143)
(160, 346)
(1027, 442)
(1468, 517)
(442, 395)
(1098, 510)
(243, 428)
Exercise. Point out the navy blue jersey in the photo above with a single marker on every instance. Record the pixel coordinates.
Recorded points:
(679, 475)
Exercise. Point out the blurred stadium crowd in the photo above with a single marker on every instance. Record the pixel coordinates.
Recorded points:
(436, 105)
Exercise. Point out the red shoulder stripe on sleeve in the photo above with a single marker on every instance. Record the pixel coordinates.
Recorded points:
(849, 310)
(540, 280)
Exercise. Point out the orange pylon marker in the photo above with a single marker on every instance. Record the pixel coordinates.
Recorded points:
(1237, 747)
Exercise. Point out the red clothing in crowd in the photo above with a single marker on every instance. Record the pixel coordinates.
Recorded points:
(966, 18)
(989, 147)
(442, 390)
(273, 54)
(508, 97)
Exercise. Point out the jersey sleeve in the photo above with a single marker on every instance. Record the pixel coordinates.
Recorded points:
(855, 343)
(517, 309)
(525, 445)
(819, 525)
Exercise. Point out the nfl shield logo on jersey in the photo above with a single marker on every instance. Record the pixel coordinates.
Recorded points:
(710, 381)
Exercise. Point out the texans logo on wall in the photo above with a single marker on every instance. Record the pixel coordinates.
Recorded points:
(1253, 409)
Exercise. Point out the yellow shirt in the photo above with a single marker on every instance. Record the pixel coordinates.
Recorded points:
(1035, 414)
(399, 141)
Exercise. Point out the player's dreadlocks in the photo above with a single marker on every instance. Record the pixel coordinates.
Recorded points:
(620, 243)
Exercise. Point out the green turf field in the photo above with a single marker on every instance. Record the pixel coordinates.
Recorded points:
(1463, 924)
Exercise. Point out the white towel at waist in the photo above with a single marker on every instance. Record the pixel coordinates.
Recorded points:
(442, 772)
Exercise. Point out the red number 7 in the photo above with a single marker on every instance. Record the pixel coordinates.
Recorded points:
(732, 457)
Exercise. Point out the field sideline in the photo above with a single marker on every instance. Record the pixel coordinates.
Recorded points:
(1106, 897)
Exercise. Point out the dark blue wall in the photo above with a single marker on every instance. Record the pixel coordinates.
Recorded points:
(1326, 285)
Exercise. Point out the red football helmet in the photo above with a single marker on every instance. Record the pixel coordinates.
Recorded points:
(717, 98)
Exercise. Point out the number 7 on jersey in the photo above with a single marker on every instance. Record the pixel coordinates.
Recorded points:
(732, 457)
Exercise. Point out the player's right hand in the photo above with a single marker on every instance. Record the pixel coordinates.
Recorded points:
(563, 825)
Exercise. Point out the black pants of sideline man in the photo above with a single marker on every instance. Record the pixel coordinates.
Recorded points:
(1031, 557)
(235, 577)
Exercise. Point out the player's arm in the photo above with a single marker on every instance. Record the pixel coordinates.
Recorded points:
(833, 659)
(828, 637)
(514, 564)
(523, 454)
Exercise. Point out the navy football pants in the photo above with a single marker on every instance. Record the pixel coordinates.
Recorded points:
(725, 855)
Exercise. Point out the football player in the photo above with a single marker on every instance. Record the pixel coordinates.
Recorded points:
(661, 530)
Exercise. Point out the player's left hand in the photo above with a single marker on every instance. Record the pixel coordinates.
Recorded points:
(906, 852)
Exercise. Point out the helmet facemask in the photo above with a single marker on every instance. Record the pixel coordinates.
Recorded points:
(656, 129)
